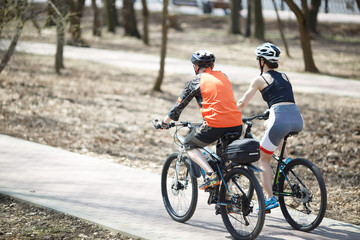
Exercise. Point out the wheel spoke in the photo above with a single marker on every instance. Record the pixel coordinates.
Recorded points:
(179, 189)
(305, 208)
(244, 198)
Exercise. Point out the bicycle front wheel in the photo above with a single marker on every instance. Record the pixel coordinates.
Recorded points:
(243, 212)
(178, 188)
(302, 195)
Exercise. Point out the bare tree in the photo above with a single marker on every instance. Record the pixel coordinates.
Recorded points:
(110, 15)
(97, 22)
(302, 19)
(257, 20)
(248, 21)
(129, 19)
(235, 17)
(145, 12)
(281, 29)
(158, 82)
(50, 15)
(59, 17)
(13, 43)
(313, 12)
(18, 12)
(76, 9)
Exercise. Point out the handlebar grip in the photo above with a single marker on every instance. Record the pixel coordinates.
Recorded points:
(155, 123)
(266, 114)
(158, 125)
(263, 116)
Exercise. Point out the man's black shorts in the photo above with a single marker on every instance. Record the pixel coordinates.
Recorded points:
(204, 135)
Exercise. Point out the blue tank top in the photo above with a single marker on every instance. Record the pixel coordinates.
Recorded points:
(280, 90)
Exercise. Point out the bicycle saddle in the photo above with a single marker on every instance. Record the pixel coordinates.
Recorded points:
(231, 136)
(291, 134)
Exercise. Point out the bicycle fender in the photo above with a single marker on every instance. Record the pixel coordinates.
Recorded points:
(253, 168)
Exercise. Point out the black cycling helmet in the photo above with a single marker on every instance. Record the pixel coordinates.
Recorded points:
(203, 58)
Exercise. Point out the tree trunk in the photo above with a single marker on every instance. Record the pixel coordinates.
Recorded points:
(158, 82)
(50, 15)
(257, 20)
(304, 34)
(313, 12)
(12, 46)
(36, 25)
(129, 19)
(110, 16)
(145, 12)
(59, 55)
(358, 4)
(76, 9)
(96, 23)
(59, 10)
(20, 8)
(281, 29)
(248, 21)
(235, 17)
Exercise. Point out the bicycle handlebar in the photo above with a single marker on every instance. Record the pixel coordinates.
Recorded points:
(175, 124)
(263, 116)
(155, 122)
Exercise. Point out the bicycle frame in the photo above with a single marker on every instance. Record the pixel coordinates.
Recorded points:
(239, 198)
(305, 206)
(207, 151)
(280, 164)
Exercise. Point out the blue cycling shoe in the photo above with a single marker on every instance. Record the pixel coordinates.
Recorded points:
(271, 203)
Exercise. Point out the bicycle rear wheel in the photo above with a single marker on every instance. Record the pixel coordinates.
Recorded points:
(243, 216)
(304, 207)
(178, 188)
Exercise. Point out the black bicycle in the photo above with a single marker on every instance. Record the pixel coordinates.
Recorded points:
(298, 185)
(239, 198)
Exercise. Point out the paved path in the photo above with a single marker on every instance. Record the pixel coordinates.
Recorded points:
(304, 82)
(122, 198)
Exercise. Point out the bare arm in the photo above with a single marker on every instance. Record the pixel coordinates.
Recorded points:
(249, 94)
(167, 119)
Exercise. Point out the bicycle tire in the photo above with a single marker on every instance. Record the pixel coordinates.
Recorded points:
(305, 209)
(246, 217)
(180, 198)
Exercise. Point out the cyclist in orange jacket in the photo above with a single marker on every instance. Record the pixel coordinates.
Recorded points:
(214, 95)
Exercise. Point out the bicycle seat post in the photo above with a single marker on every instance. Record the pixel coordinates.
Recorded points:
(281, 157)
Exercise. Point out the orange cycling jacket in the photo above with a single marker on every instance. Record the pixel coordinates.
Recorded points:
(214, 95)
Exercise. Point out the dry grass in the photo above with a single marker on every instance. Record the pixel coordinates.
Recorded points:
(106, 112)
(336, 49)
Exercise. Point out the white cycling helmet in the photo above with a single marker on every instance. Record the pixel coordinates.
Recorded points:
(268, 51)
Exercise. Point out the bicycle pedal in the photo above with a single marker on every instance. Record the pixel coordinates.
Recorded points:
(267, 211)
(217, 210)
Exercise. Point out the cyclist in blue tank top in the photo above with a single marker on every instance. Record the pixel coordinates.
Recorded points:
(284, 117)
